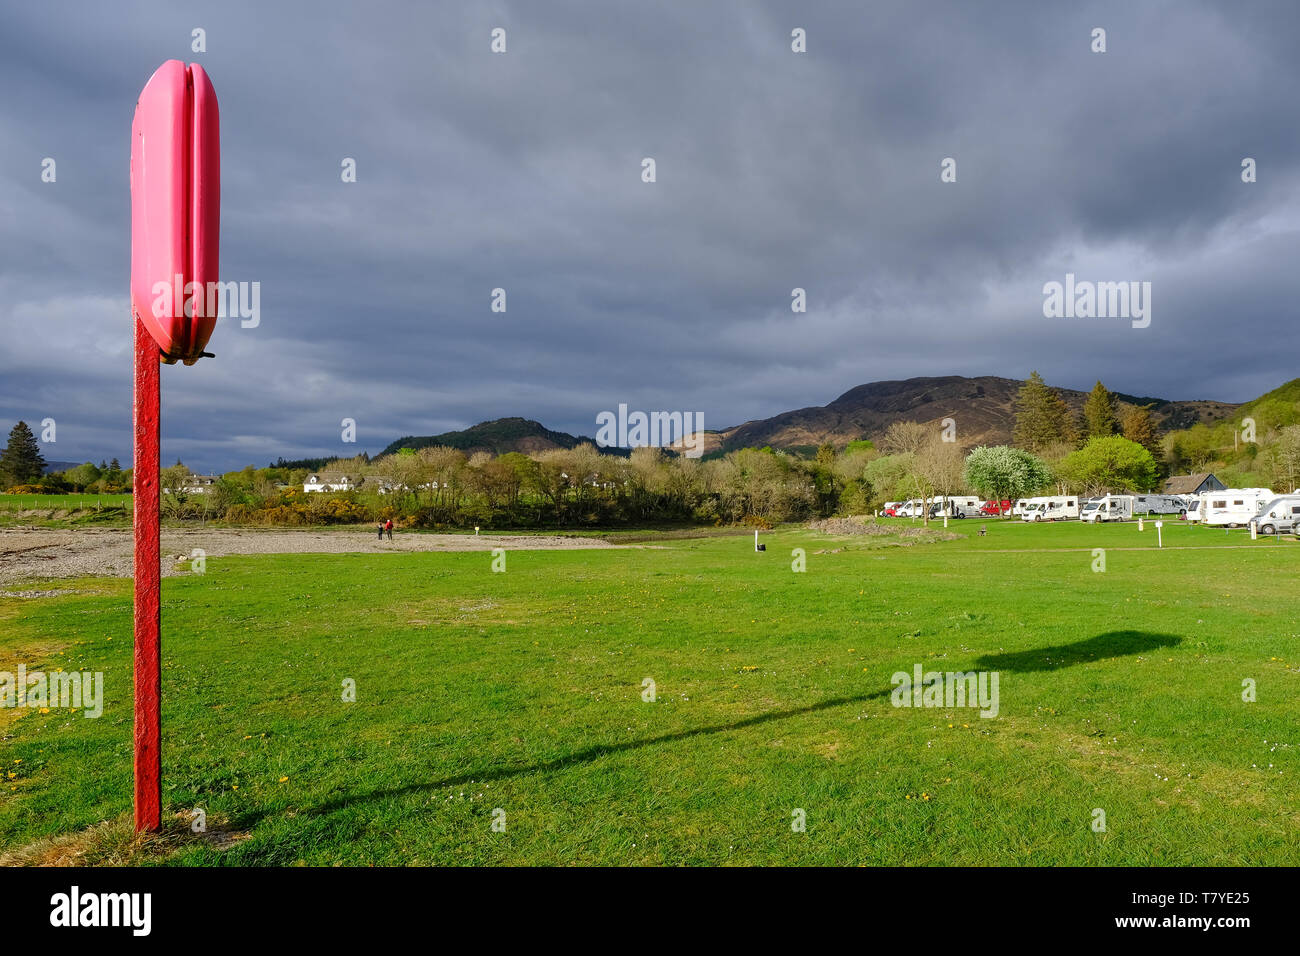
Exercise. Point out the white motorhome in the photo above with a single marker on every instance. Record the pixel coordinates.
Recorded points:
(1234, 507)
(1195, 508)
(1108, 508)
(956, 506)
(1158, 505)
(911, 508)
(1053, 508)
(1024, 506)
(1280, 515)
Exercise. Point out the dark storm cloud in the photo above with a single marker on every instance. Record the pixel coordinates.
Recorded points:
(775, 170)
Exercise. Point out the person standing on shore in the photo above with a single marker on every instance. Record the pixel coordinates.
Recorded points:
(388, 526)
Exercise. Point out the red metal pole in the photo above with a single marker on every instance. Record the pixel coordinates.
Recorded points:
(148, 574)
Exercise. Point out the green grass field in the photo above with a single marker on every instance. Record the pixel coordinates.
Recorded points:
(523, 691)
(65, 511)
(39, 502)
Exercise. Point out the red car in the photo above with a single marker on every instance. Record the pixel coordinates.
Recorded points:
(995, 508)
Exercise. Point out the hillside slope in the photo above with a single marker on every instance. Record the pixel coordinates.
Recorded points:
(983, 408)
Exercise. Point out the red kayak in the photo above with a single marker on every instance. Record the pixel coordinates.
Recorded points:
(176, 210)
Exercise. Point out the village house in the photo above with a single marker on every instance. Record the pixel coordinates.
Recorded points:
(198, 484)
(389, 486)
(1198, 484)
(329, 483)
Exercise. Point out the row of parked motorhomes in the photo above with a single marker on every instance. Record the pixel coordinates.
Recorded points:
(1268, 511)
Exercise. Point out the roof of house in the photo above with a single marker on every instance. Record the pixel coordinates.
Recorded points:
(1186, 484)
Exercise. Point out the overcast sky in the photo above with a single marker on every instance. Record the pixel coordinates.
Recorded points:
(775, 170)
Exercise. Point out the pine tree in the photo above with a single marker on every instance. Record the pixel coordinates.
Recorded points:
(21, 462)
(1042, 417)
(1139, 426)
(1070, 430)
(1099, 420)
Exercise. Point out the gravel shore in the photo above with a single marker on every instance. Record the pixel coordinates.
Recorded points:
(27, 553)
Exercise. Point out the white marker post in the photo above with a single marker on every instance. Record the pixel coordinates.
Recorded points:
(1159, 538)
(755, 539)
(1139, 524)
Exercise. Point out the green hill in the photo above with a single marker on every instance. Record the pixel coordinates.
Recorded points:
(1224, 447)
(1278, 407)
(498, 437)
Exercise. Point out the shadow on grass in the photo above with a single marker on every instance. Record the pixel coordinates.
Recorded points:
(595, 752)
(1110, 644)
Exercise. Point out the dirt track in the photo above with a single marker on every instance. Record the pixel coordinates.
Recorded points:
(51, 553)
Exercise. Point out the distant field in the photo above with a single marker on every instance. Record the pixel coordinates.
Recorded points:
(37, 502)
(1120, 691)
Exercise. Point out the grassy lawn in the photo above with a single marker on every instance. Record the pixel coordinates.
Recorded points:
(65, 511)
(522, 691)
(37, 502)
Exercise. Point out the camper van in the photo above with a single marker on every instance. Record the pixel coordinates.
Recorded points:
(1234, 507)
(911, 508)
(1018, 509)
(1025, 505)
(891, 508)
(1280, 515)
(1193, 508)
(1158, 505)
(1109, 508)
(957, 506)
(1056, 508)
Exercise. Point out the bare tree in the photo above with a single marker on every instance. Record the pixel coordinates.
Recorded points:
(903, 438)
(939, 465)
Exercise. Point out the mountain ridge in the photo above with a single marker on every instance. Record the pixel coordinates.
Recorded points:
(983, 408)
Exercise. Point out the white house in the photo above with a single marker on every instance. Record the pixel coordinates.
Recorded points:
(388, 486)
(329, 483)
(198, 484)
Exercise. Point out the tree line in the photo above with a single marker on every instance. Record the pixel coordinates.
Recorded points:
(1110, 446)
